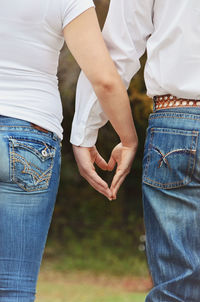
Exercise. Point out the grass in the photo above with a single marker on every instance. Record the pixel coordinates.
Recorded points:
(83, 273)
(75, 287)
(85, 257)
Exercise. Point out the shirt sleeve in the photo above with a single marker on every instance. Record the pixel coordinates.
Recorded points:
(128, 26)
(73, 8)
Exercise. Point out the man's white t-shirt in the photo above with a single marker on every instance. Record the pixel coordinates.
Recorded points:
(31, 37)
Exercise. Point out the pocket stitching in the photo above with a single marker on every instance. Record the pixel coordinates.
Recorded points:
(190, 161)
(13, 160)
(173, 115)
(26, 164)
(32, 149)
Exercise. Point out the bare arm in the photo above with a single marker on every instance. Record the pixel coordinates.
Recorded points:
(128, 25)
(127, 28)
(85, 41)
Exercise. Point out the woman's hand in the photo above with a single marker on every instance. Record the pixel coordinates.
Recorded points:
(85, 158)
(123, 156)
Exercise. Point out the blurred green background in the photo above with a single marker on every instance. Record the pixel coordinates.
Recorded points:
(89, 234)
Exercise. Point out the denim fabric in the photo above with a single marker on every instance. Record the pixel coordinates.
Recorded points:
(171, 202)
(29, 177)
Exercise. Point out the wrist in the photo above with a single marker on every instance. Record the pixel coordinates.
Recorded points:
(131, 142)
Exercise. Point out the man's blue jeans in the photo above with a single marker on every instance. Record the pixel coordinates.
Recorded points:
(171, 201)
(29, 178)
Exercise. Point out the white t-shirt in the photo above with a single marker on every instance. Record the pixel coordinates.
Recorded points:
(31, 38)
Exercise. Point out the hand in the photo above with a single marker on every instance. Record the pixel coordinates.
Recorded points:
(85, 158)
(124, 157)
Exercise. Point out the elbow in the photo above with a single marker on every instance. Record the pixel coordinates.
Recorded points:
(106, 85)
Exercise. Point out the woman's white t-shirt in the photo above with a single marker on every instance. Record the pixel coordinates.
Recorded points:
(31, 37)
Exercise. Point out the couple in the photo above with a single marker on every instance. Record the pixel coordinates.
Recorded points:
(32, 35)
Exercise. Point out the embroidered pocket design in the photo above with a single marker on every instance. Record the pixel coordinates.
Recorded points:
(169, 159)
(31, 163)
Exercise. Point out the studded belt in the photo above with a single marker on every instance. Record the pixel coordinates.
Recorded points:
(170, 101)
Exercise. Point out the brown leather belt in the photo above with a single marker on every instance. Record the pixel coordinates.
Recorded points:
(39, 128)
(170, 101)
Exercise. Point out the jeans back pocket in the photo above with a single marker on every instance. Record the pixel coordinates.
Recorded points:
(31, 163)
(169, 159)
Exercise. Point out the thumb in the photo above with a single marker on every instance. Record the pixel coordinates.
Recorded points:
(111, 163)
(100, 161)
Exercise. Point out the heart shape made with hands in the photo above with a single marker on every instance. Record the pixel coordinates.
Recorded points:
(87, 156)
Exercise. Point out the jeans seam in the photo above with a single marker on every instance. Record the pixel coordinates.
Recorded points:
(21, 252)
(177, 131)
(174, 117)
(27, 128)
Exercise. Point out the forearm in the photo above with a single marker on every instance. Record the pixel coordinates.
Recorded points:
(92, 55)
(116, 105)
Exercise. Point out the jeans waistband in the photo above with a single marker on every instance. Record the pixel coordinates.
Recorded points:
(180, 118)
(22, 125)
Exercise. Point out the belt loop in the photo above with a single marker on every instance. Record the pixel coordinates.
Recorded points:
(54, 136)
(154, 103)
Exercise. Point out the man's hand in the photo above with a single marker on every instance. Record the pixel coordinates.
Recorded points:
(123, 156)
(85, 158)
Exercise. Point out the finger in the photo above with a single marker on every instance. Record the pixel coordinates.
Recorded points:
(93, 176)
(101, 163)
(90, 174)
(106, 192)
(99, 184)
(116, 178)
(111, 163)
(115, 189)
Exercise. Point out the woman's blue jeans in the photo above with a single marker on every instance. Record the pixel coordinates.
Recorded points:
(29, 177)
(171, 201)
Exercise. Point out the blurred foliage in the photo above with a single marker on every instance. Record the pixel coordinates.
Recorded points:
(76, 287)
(82, 214)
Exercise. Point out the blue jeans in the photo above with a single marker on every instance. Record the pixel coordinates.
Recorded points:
(29, 178)
(171, 202)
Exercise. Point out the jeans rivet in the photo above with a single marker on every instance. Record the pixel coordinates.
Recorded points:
(44, 153)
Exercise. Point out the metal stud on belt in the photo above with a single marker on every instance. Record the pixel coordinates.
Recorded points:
(170, 101)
